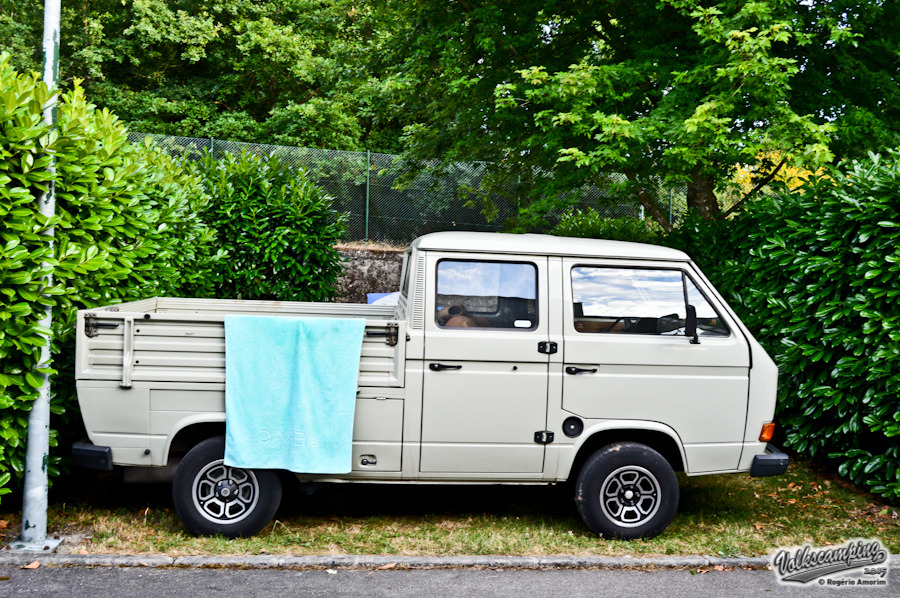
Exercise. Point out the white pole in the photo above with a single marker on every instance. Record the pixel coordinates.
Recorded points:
(34, 499)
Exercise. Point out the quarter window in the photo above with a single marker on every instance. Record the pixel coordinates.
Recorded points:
(474, 294)
(639, 301)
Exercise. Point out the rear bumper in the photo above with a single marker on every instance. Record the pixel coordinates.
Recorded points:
(90, 456)
(773, 462)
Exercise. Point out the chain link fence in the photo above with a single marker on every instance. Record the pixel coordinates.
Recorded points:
(386, 200)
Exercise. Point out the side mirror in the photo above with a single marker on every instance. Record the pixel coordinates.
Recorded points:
(690, 325)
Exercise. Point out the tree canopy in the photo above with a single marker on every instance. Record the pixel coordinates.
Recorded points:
(288, 72)
(552, 95)
(854, 84)
(563, 93)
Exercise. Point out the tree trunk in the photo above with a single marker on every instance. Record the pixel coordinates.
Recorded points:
(701, 197)
(647, 201)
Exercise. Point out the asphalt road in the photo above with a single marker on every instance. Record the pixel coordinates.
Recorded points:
(142, 582)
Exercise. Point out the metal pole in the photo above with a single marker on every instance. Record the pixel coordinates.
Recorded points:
(34, 499)
(368, 170)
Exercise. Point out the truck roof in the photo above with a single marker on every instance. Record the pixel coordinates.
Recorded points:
(532, 244)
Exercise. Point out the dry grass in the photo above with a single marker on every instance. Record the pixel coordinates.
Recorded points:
(726, 515)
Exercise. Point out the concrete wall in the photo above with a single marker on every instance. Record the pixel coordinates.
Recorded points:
(368, 270)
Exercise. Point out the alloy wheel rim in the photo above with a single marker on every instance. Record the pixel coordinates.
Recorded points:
(225, 495)
(630, 496)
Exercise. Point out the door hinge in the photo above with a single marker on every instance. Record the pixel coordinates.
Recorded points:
(543, 437)
(548, 347)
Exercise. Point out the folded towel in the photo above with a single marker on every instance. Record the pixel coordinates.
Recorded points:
(290, 392)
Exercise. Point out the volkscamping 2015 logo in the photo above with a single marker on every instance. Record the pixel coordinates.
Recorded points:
(826, 566)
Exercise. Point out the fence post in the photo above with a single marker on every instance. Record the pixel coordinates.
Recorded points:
(670, 205)
(368, 170)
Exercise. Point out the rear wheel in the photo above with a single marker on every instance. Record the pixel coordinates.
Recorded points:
(627, 490)
(213, 498)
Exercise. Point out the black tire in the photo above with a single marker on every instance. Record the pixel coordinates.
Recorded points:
(212, 498)
(627, 490)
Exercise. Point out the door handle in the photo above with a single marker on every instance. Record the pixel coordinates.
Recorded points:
(437, 367)
(573, 370)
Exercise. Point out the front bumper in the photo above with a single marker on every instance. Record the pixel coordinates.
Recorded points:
(90, 456)
(773, 462)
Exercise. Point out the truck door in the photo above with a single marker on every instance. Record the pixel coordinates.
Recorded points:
(626, 356)
(486, 366)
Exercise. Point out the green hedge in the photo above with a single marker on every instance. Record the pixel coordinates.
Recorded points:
(126, 227)
(592, 225)
(277, 228)
(815, 274)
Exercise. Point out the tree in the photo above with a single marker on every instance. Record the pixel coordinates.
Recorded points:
(560, 95)
(855, 85)
(288, 72)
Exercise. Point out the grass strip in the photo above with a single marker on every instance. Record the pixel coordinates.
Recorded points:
(721, 515)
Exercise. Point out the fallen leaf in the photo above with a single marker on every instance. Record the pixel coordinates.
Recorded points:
(719, 568)
(388, 566)
(758, 526)
(330, 571)
(82, 551)
(32, 565)
(4, 523)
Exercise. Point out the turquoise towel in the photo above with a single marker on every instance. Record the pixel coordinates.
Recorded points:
(290, 392)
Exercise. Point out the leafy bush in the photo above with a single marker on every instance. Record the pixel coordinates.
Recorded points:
(593, 225)
(815, 275)
(277, 227)
(24, 248)
(125, 228)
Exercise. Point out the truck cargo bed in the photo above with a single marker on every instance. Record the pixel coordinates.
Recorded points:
(183, 340)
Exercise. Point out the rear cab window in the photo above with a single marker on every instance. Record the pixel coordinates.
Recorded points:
(486, 294)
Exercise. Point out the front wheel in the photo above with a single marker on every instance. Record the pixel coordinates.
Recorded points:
(212, 498)
(627, 490)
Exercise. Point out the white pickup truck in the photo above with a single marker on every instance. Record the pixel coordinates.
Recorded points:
(508, 359)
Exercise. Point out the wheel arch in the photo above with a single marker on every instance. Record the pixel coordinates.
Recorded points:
(659, 437)
(191, 431)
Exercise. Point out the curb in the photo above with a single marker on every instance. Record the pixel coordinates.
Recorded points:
(20, 559)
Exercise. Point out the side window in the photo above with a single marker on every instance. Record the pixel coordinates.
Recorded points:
(473, 294)
(639, 301)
